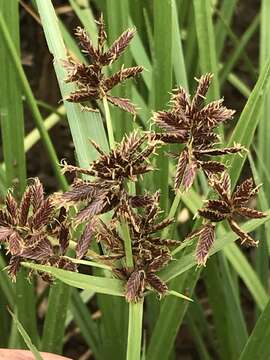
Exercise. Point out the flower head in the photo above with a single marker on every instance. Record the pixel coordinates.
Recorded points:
(90, 79)
(150, 252)
(190, 123)
(228, 207)
(126, 162)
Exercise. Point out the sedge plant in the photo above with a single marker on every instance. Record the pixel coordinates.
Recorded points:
(108, 233)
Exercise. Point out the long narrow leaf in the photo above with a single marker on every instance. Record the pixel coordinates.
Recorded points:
(81, 281)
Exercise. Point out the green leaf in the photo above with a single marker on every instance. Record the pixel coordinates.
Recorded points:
(188, 261)
(245, 129)
(206, 44)
(26, 337)
(54, 329)
(83, 319)
(11, 109)
(228, 67)
(162, 82)
(177, 51)
(31, 102)
(227, 12)
(98, 284)
(258, 342)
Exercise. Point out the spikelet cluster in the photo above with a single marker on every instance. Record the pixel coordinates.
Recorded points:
(91, 82)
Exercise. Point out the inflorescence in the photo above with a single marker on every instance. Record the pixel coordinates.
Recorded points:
(40, 229)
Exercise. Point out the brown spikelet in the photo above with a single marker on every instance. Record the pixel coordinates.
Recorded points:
(214, 114)
(219, 152)
(212, 167)
(205, 242)
(121, 76)
(157, 284)
(159, 262)
(171, 121)
(226, 183)
(102, 36)
(135, 286)
(11, 204)
(161, 225)
(203, 86)
(74, 169)
(41, 252)
(181, 167)
(189, 175)
(97, 147)
(86, 44)
(94, 208)
(37, 194)
(122, 103)
(5, 232)
(84, 241)
(80, 190)
(119, 46)
(43, 214)
(140, 200)
(211, 215)
(250, 213)
(219, 205)
(244, 237)
(63, 237)
(244, 191)
(6, 219)
(13, 267)
(15, 243)
(25, 206)
(180, 100)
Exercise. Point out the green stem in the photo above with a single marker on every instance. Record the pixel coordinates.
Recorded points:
(124, 224)
(108, 122)
(32, 103)
(173, 209)
(135, 331)
(127, 244)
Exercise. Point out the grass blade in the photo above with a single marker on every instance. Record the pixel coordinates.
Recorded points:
(31, 101)
(227, 11)
(206, 44)
(239, 50)
(177, 51)
(258, 342)
(83, 318)
(162, 81)
(11, 109)
(26, 338)
(244, 131)
(53, 331)
(81, 281)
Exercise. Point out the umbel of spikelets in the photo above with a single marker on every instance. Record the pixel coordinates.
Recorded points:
(110, 172)
(91, 82)
(189, 122)
(229, 206)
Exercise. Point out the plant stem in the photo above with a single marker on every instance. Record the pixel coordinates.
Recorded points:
(172, 212)
(127, 244)
(108, 122)
(124, 224)
(135, 331)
